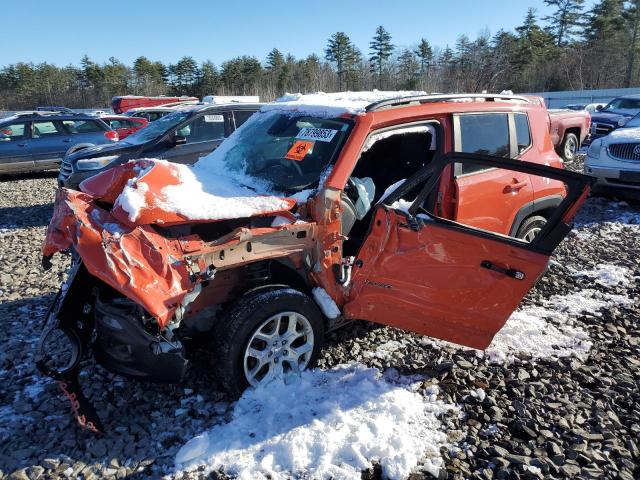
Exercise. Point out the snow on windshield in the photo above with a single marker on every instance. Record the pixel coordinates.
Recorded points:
(325, 424)
(328, 105)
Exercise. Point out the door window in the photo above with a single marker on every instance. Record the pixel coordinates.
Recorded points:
(81, 126)
(484, 134)
(500, 202)
(46, 129)
(205, 128)
(241, 116)
(523, 134)
(12, 132)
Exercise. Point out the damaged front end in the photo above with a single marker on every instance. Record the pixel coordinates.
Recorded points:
(138, 292)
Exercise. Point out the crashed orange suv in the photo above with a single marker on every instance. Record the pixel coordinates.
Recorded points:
(431, 213)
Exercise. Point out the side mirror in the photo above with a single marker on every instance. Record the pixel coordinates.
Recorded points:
(599, 107)
(179, 140)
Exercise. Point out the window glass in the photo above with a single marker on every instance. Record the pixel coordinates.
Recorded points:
(81, 126)
(14, 131)
(485, 134)
(522, 131)
(241, 116)
(43, 129)
(204, 129)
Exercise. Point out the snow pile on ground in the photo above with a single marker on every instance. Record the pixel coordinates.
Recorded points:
(328, 105)
(324, 424)
(530, 330)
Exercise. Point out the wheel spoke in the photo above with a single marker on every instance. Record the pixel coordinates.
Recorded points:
(257, 354)
(301, 350)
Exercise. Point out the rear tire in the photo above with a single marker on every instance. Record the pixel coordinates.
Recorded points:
(266, 334)
(569, 147)
(531, 227)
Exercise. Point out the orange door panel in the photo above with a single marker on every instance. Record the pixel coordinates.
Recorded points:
(491, 199)
(432, 281)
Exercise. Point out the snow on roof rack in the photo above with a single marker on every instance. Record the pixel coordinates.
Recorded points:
(392, 102)
(221, 99)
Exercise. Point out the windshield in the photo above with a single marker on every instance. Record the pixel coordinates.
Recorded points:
(632, 104)
(157, 129)
(287, 151)
(634, 122)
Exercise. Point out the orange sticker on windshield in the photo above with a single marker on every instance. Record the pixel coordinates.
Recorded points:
(298, 150)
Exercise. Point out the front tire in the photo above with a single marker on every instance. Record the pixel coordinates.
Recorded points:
(266, 335)
(530, 228)
(569, 147)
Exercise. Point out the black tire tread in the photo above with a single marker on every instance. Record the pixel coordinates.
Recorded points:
(242, 313)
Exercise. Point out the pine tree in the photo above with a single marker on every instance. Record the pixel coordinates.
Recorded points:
(632, 16)
(275, 60)
(425, 54)
(342, 52)
(408, 69)
(381, 49)
(565, 20)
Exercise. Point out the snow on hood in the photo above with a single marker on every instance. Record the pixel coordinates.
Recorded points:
(629, 134)
(164, 192)
(329, 105)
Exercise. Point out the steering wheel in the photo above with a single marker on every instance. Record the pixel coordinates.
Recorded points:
(292, 163)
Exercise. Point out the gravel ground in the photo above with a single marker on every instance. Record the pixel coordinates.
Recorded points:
(556, 416)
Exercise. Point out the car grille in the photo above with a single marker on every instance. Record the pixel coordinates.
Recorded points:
(601, 129)
(65, 170)
(625, 151)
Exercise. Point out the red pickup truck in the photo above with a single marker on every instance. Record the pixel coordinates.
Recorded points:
(568, 130)
(431, 213)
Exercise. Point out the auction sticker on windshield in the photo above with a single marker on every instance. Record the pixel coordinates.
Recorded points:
(312, 133)
(213, 118)
(298, 150)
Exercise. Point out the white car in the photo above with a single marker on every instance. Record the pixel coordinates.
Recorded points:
(615, 159)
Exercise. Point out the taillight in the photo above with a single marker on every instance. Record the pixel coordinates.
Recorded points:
(112, 135)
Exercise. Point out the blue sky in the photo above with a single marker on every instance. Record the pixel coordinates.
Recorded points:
(62, 32)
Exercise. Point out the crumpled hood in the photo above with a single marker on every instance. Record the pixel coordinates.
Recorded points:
(146, 192)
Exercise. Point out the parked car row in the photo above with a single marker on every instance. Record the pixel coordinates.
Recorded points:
(431, 213)
(38, 140)
(23, 149)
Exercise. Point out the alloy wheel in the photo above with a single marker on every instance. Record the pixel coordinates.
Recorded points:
(281, 345)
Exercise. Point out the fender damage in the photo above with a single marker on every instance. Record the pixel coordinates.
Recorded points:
(158, 264)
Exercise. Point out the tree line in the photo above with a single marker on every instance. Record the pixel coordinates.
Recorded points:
(571, 49)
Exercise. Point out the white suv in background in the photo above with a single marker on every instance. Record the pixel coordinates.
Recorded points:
(615, 158)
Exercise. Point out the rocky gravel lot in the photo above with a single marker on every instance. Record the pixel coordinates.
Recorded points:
(528, 407)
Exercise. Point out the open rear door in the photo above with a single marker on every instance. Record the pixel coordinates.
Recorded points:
(451, 280)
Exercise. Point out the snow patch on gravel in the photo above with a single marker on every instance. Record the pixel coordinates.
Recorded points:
(530, 331)
(325, 424)
(607, 275)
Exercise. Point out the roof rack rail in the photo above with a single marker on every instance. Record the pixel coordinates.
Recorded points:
(45, 113)
(442, 98)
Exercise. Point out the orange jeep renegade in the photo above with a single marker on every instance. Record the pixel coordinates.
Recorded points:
(430, 213)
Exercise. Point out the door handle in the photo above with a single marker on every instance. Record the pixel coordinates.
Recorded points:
(515, 186)
(68, 140)
(21, 144)
(509, 272)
